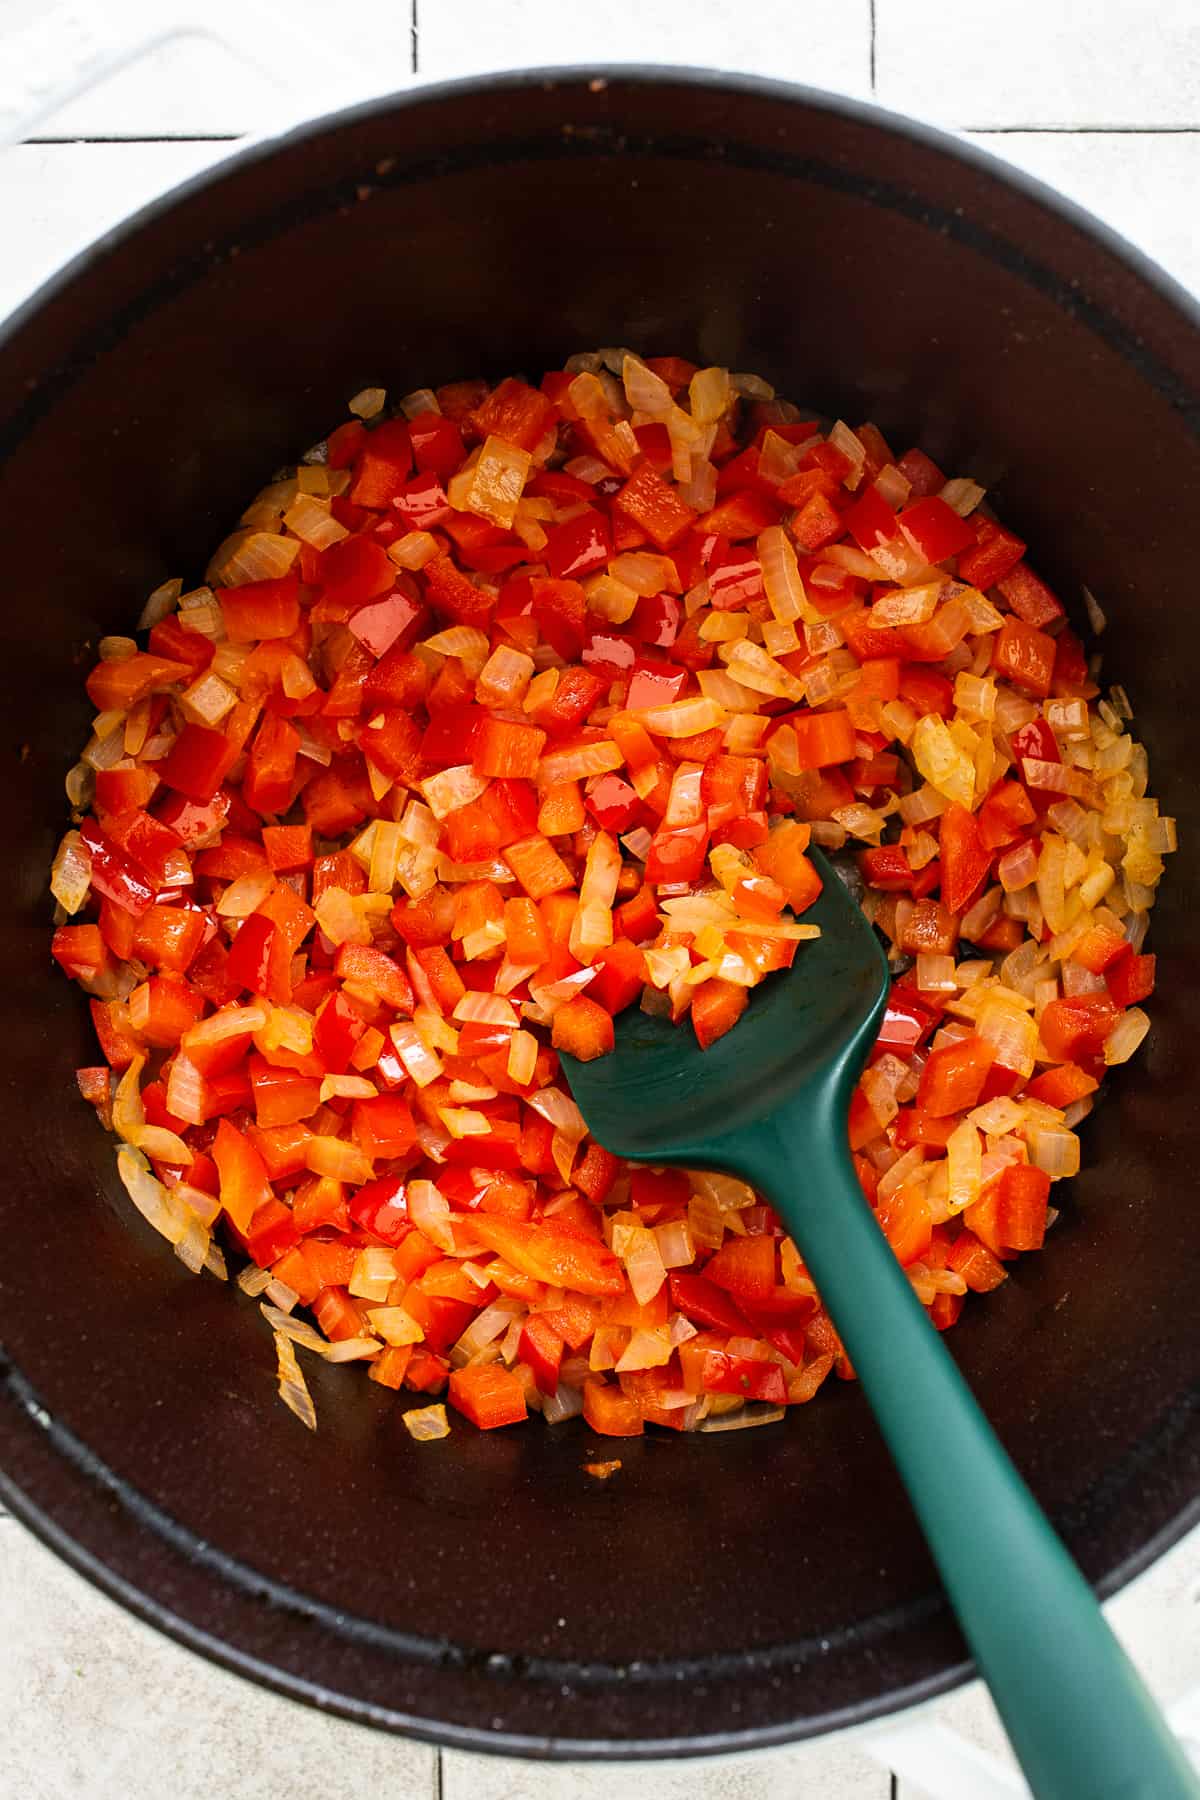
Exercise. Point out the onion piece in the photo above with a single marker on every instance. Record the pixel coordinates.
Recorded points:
(425, 1424)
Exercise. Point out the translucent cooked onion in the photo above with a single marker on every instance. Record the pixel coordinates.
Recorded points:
(71, 873)
(252, 555)
(425, 1424)
(429, 1211)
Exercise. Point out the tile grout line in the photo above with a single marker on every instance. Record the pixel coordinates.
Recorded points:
(438, 1752)
(872, 61)
(413, 29)
(199, 137)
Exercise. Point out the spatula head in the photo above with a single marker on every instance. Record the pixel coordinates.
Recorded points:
(660, 1098)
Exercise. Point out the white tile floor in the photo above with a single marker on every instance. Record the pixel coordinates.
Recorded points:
(1100, 101)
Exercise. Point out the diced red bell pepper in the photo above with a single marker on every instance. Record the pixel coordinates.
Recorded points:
(114, 874)
(557, 1257)
(80, 952)
(244, 1184)
(1076, 1028)
(1024, 656)
(578, 547)
(515, 412)
(1130, 978)
(249, 960)
(745, 1268)
(384, 461)
(421, 503)
(677, 853)
(198, 762)
(964, 856)
(655, 684)
(906, 1220)
(356, 570)
(609, 1412)
(272, 1232)
(542, 1348)
(717, 1005)
(823, 738)
(706, 1304)
(281, 1096)
(383, 1128)
(1004, 815)
(337, 1031)
(168, 937)
(887, 869)
(744, 1375)
(507, 750)
(117, 686)
(905, 1025)
(935, 530)
(871, 520)
(975, 1263)
(1021, 1204)
(582, 1029)
(620, 975)
(657, 508)
(261, 609)
(381, 1208)
(953, 1077)
(993, 555)
(1029, 597)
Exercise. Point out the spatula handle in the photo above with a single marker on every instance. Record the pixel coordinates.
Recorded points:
(1080, 1721)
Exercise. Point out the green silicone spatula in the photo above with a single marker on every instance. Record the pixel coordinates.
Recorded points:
(768, 1102)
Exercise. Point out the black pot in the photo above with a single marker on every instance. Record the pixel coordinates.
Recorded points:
(718, 1593)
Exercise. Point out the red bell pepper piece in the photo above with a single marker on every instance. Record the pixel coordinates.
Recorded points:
(887, 869)
(542, 1348)
(383, 1128)
(249, 958)
(657, 508)
(744, 1375)
(905, 1025)
(745, 1268)
(620, 976)
(964, 856)
(506, 749)
(706, 1304)
(272, 1232)
(677, 853)
(336, 1033)
(717, 1006)
(488, 1394)
(578, 547)
(198, 762)
(994, 554)
(1029, 597)
(1075, 1028)
(114, 874)
(244, 1184)
(655, 684)
(1024, 656)
(117, 686)
(935, 530)
(261, 609)
(953, 1077)
(583, 1029)
(354, 571)
(871, 520)
(515, 412)
(1024, 1193)
(421, 503)
(383, 464)
(1130, 978)
(1005, 814)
